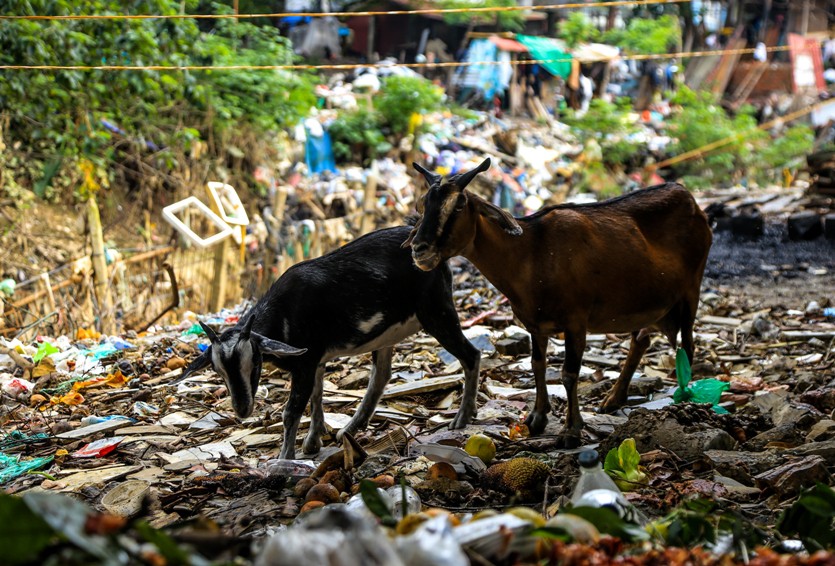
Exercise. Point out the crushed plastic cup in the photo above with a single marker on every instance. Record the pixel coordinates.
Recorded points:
(397, 494)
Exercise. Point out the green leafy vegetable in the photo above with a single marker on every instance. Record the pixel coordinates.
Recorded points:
(610, 523)
(812, 518)
(622, 464)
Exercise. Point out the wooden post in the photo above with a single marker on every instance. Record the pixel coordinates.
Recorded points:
(804, 22)
(218, 295)
(369, 201)
(100, 267)
(372, 28)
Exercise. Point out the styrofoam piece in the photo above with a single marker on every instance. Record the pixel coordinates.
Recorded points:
(170, 215)
(228, 203)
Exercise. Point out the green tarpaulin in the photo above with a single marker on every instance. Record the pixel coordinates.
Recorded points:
(557, 62)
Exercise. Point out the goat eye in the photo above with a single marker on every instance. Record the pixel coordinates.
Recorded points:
(459, 204)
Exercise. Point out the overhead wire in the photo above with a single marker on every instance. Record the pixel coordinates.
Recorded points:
(420, 11)
(345, 67)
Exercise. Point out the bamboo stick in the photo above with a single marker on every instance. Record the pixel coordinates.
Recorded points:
(100, 267)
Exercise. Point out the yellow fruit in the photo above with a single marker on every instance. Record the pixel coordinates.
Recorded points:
(481, 447)
(437, 512)
(528, 515)
(409, 524)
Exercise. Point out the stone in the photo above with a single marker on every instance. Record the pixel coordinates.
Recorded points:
(788, 479)
(822, 399)
(516, 346)
(822, 430)
(747, 225)
(805, 225)
(825, 449)
(645, 386)
(802, 415)
(786, 434)
(829, 226)
(742, 466)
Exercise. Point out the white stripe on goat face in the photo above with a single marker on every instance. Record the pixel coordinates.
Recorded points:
(447, 210)
(245, 356)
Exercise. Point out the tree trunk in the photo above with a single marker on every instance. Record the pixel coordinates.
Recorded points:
(689, 32)
(613, 16)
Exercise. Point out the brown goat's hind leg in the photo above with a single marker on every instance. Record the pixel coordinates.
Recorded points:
(538, 418)
(617, 396)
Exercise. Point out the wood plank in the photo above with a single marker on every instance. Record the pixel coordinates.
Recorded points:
(423, 386)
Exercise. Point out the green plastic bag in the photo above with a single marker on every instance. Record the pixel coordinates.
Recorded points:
(702, 391)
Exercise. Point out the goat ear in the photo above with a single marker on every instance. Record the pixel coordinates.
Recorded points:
(247, 330)
(209, 332)
(464, 179)
(276, 348)
(412, 235)
(199, 362)
(430, 177)
(501, 217)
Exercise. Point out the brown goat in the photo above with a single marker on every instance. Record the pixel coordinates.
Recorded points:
(630, 264)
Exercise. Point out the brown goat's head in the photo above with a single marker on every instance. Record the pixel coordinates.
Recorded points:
(448, 217)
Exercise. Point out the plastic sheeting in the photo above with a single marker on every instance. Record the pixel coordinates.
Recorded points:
(547, 50)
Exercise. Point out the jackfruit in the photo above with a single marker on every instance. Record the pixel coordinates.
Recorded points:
(523, 476)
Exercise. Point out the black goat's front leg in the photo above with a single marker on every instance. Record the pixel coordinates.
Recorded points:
(538, 418)
(313, 441)
(441, 322)
(302, 382)
(617, 397)
(575, 343)
(380, 376)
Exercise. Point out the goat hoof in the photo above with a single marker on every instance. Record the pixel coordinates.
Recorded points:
(611, 405)
(462, 419)
(568, 439)
(312, 445)
(536, 423)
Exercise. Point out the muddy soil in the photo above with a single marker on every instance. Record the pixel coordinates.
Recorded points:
(773, 270)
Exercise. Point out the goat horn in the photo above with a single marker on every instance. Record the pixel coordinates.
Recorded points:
(464, 178)
(431, 177)
(208, 330)
(245, 333)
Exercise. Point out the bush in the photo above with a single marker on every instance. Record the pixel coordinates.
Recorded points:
(400, 97)
(787, 150)
(609, 124)
(357, 136)
(702, 121)
(644, 35)
(576, 29)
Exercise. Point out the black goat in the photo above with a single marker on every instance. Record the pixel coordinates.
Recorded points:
(364, 297)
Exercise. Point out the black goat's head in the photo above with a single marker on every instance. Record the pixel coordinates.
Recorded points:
(236, 355)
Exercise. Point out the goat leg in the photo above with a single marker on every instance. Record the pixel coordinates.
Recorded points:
(617, 396)
(575, 343)
(313, 441)
(302, 383)
(380, 376)
(538, 418)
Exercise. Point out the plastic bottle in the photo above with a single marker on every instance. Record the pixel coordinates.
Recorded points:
(596, 489)
(592, 476)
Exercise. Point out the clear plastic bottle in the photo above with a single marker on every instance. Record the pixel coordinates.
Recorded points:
(596, 489)
(592, 476)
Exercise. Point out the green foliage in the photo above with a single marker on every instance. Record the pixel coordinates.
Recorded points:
(643, 35)
(400, 97)
(24, 534)
(54, 117)
(512, 21)
(812, 518)
(702, 121)
(608, 522)
(622, 464)
(375, 502)
(787, 150)
(701, 522)
(576, 29)
(357, 136)
(609, 124)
